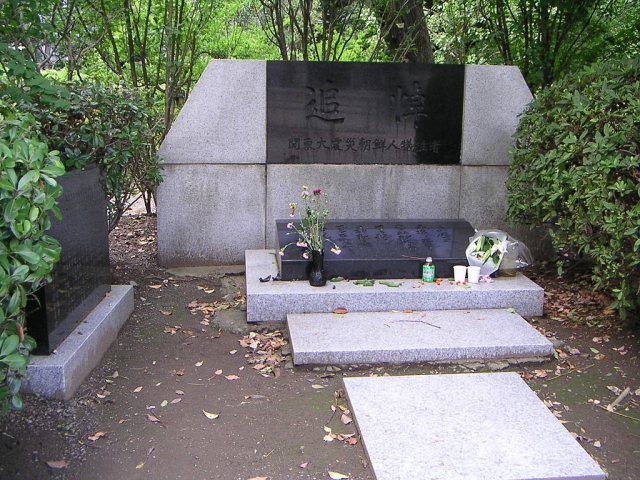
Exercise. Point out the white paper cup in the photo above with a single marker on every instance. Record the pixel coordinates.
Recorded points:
(459, 273)
(474, 274)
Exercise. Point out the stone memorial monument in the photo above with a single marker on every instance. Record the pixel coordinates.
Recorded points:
(385, 141)
(81, 278)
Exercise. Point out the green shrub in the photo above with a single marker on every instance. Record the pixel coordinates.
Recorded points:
(42, 125)
(28, 191)
(114, 127)
(87, 122)
(576, 169)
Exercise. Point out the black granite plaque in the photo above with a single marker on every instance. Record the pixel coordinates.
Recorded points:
(380, 249)
(364, 113)
(81, 278)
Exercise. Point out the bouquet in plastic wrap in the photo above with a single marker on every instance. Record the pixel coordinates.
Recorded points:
(494, 249)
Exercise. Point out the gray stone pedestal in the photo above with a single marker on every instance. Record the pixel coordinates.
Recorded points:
(60, 374)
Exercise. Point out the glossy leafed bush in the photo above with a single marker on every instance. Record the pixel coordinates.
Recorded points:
(28, 191)
(576, 169)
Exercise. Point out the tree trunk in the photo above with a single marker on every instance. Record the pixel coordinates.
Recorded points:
(405, 31)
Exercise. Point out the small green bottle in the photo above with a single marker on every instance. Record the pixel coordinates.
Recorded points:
(429, 271)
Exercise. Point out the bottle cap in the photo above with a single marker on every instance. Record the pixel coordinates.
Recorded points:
(429, 259)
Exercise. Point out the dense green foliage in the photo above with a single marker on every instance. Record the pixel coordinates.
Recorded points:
(28, 191)
(45, 125)
(113, 127)
(576, 168)
(88, 122)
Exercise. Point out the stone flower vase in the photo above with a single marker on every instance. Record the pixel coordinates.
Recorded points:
(317, 277)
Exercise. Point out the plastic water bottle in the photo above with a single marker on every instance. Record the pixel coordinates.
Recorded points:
(429, 271)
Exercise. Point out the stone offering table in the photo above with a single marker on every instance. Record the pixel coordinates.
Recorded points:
(380, 249)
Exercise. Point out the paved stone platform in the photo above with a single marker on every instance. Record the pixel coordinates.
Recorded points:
(481, 426)
(60, 374)
(271, 301)
(423, 336)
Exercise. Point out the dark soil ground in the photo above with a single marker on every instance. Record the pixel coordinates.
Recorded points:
(182, 393)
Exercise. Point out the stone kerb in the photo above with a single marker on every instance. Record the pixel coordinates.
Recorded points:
(220, 197)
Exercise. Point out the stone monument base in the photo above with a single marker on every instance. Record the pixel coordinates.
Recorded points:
(60, 374)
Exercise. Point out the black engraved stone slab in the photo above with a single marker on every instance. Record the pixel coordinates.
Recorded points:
(81, 278)
(380, 249)
(364, 113)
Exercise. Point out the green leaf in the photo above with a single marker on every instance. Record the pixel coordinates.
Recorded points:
(20, 273)
(28, 178)
(27, 254)
(54, 169)
(15, 360)
(10, 345)
(16, 402)
(33, 213)
(29, 343)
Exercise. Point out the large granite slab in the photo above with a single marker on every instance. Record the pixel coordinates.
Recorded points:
(397, 337)
(219, 216)
(379, 248)
(271, 301)
(224, 119)
(494, 96)
(466, 426)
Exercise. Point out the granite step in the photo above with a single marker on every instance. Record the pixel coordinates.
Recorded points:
(271, 301)
(480, 426)
(413, 336)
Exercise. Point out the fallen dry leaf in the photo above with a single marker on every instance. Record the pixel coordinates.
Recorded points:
(57, 464)
(164, 312)
(137, 389)
(317, 387)
(231, 377)
(258, 478)
(210, 416)
(337, 476)
(341, 311)
(180, 372)
(176, 400)
(153, 418)
(96, 436)
(140, 465)
(199, 364)
(179, 392)
(206, 289)
(346, 419)
(304, 465)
